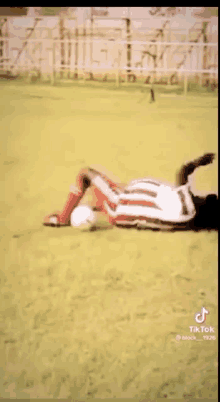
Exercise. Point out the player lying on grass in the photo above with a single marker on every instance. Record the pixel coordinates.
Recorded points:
(144, 203)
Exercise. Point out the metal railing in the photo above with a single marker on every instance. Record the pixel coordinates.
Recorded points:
(50, 56)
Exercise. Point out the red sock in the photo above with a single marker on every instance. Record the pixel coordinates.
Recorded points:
(72, 201)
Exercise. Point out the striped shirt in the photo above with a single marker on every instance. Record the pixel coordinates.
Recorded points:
(146, 203)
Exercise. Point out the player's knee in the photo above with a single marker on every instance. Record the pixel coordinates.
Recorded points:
(84, 179)
(84, 172)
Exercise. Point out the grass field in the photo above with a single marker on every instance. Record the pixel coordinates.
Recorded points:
(96, 314)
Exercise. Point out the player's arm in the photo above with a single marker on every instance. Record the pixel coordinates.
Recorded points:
(188, 169)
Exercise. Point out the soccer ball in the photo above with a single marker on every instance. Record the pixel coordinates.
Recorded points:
(83, 217)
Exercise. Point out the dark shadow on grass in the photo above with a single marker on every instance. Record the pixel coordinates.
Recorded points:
(43, 97)
(165, 230)
(169, 230)
(92, 229)
(100, 227)
(27, 232)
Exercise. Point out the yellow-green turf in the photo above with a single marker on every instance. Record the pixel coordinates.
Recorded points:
(96, 314)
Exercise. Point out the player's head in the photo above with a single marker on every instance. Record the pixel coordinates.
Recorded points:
(212, 211)
(206, 212)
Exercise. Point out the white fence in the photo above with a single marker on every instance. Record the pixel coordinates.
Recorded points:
(115, 57)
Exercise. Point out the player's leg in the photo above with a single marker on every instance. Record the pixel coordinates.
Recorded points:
(102, 188)
(74, 197)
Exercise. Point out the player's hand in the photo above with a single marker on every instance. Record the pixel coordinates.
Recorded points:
(206, 159)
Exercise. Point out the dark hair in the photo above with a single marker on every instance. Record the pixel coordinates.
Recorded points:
(206, 213)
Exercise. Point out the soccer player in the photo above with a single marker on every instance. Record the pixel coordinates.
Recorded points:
(144, 203)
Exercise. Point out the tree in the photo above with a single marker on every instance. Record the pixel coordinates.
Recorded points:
(164, 11)
(100, 11)
(205, 12)
(13, 11)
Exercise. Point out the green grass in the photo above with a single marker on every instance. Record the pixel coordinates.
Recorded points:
(95, 314)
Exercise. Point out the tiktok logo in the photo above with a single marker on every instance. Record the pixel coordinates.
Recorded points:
(201, 317)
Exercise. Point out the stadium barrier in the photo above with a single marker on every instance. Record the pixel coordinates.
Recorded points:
(44, 56)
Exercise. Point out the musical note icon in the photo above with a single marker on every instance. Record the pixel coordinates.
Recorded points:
(201, 317)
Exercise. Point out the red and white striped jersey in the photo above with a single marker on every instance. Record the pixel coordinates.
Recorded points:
(146, 203)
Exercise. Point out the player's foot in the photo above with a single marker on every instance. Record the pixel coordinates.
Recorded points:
(54, 220)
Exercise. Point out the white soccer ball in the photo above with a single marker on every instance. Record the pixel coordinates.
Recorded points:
(83, 217)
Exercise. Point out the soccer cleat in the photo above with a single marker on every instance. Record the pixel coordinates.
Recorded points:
(54, 220)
